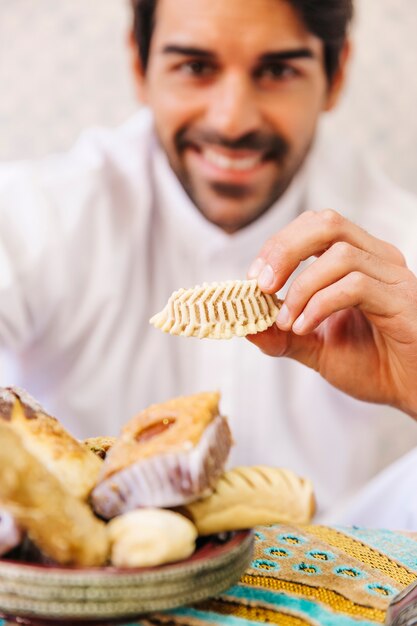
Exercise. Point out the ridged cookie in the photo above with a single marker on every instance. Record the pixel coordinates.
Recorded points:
(218, 310)
(245, 497)
(59, 524)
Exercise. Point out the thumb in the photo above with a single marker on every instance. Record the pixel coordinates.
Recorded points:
(276, 342)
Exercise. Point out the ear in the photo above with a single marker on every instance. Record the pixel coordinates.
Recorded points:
(339, 78)
(137, 67)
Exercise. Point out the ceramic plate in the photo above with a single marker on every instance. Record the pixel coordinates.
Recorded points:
(48, 595)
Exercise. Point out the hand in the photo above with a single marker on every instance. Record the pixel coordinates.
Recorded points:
(351, 315)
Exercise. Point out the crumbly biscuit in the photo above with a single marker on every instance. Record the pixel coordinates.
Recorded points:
(99, 445)
(59, 524)
(71, 462)
(218, 310)
(249, 496)
(148, 537)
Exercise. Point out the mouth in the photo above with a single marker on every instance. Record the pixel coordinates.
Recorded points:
(230, 166)
(235, 163)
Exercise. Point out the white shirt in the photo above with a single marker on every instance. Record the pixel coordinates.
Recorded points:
(92, 244)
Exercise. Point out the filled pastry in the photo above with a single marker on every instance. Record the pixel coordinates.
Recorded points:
(253, 496)
(169, 454)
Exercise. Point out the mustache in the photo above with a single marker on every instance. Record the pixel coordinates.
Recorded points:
(272, 145)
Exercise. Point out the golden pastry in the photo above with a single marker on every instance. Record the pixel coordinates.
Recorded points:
(71, 462)
(59, 524)
(169, 454)
(250, 496)
(218, 310)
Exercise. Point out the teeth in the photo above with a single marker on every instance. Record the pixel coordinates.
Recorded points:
(228, 163)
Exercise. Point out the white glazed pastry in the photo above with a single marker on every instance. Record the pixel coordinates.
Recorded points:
(218, 310)
(149, 537)
(10, 533)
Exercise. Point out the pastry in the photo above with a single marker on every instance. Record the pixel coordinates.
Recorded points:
(250, 496)
(59, 524)
(169, 454)
(218, 310)
(10, 533)
(149, 537)
(99, 445)
(71, 462)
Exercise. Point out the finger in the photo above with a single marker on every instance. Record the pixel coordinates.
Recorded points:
(311, 234)
(277, 343)
(338, 261)
(371, 296)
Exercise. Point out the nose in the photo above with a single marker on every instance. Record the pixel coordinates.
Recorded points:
(233, 110)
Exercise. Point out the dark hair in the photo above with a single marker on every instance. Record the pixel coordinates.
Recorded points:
(327, 19)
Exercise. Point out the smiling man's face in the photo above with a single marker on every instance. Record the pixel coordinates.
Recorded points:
(236, 88)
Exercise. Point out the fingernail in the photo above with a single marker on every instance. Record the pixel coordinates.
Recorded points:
(256, 268)
(266, 278)
(283, 318)
(299, 323)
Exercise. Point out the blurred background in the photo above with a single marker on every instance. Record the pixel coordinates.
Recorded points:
(64, 66)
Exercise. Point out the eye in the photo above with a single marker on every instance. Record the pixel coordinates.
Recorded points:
(197, 68)
(276, 71)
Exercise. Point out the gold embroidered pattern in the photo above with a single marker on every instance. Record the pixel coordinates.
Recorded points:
(326, 596)
(253, 613)
(364, 553)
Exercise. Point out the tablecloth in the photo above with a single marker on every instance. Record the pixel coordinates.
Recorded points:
(311, 575)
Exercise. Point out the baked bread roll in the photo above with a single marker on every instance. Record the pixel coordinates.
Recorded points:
(218, 310)
(71, 462)
(246, 497)
(59, 524)
(10, 533)
(169, 454)
(149, 537)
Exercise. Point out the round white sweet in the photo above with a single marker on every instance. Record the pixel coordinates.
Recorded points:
(148, 537)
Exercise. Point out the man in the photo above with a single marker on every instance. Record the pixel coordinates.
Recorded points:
(224, 157)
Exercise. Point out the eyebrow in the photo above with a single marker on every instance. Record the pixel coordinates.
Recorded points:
(268, 57)
(187, 51)
(288, 55)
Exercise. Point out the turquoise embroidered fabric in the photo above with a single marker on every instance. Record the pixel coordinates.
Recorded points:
(310, 575)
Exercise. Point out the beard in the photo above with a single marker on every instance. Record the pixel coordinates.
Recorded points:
(250, 205)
